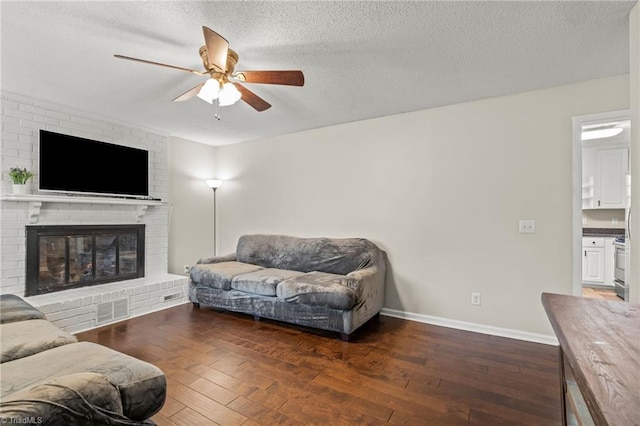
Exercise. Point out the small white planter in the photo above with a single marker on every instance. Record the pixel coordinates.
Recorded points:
(20, 189)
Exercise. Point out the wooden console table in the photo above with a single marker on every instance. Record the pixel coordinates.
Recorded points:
(599, 358)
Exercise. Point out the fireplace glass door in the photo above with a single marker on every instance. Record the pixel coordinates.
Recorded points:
(61, 257)
(80, 259)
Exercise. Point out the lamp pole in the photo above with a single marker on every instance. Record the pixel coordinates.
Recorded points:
(215, 228)
(214, 184)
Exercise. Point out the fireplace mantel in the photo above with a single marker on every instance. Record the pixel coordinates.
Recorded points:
(36, 201)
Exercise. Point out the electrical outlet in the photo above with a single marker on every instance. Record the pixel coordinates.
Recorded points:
(527, 226)
(187, 269)
(614, 220)
(475, 299)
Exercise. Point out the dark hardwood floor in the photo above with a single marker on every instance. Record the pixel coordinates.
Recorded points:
(225, 368)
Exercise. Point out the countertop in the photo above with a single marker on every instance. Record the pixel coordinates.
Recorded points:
(602, 232)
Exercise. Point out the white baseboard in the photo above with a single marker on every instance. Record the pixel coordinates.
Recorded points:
(469, 326)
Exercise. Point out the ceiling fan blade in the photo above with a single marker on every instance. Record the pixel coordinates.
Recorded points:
(217, 48)
(160, 64)
(289, 78)
(189, 93)
(252, 99)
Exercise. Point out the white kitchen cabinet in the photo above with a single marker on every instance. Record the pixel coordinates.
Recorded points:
(593, 265)
(612, 166)
(593, 260)
(604, 175)
(597, 260)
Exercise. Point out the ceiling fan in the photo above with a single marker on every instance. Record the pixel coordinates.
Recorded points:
(223, 84)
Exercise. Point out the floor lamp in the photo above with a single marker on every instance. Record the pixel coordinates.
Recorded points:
(214, 184)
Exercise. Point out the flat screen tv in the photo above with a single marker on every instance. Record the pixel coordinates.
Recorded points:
(77, 165)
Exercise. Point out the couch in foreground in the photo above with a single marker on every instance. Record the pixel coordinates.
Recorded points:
(48, 377)
(334, 284)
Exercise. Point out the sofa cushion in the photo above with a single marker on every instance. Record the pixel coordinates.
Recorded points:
(24, 338)
(262, 282)
(67, 400)
(331, 255)
(142, 386)
(14, 308)
(219, 275)
(317, 288)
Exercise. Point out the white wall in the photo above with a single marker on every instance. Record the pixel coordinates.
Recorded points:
(440, 190)
(191, 203)
(602, 218)
(634, 65)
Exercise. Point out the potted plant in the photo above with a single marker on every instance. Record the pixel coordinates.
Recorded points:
(19, 177)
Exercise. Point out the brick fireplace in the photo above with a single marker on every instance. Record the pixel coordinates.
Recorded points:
(81, 308)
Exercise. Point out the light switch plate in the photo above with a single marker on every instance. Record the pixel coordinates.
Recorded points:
(527, 227)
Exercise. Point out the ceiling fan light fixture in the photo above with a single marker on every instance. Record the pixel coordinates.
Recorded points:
(209, 91)
(229, 95)
(219, 63)
(601, 133)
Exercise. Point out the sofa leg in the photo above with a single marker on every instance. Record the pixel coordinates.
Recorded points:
(196, 304)
(256, 318)
(345, 337)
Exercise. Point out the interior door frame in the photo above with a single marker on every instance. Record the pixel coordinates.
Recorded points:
(578, 122)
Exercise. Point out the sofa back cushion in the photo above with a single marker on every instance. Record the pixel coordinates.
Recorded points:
(331, 255)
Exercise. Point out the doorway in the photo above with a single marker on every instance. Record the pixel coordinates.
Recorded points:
(601, 200)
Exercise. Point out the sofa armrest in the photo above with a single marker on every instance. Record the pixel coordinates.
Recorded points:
(216, 259)
(368, 284)
(69, 399)
(13, 309)
(360, 279)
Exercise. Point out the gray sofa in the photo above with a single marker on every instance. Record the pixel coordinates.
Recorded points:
(334, 284)
(48, 377)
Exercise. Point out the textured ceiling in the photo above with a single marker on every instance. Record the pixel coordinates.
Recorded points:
(361, 59)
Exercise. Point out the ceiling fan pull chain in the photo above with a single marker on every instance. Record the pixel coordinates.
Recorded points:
(216, 115)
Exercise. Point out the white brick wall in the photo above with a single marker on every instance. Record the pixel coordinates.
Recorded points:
(22, 119)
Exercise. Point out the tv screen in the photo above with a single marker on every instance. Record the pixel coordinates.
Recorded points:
(78, 165)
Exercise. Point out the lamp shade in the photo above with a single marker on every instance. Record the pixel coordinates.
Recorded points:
(214, 183)
(229, 95)
(209, 91)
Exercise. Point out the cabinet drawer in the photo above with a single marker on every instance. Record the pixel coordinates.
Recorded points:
(593, 242)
